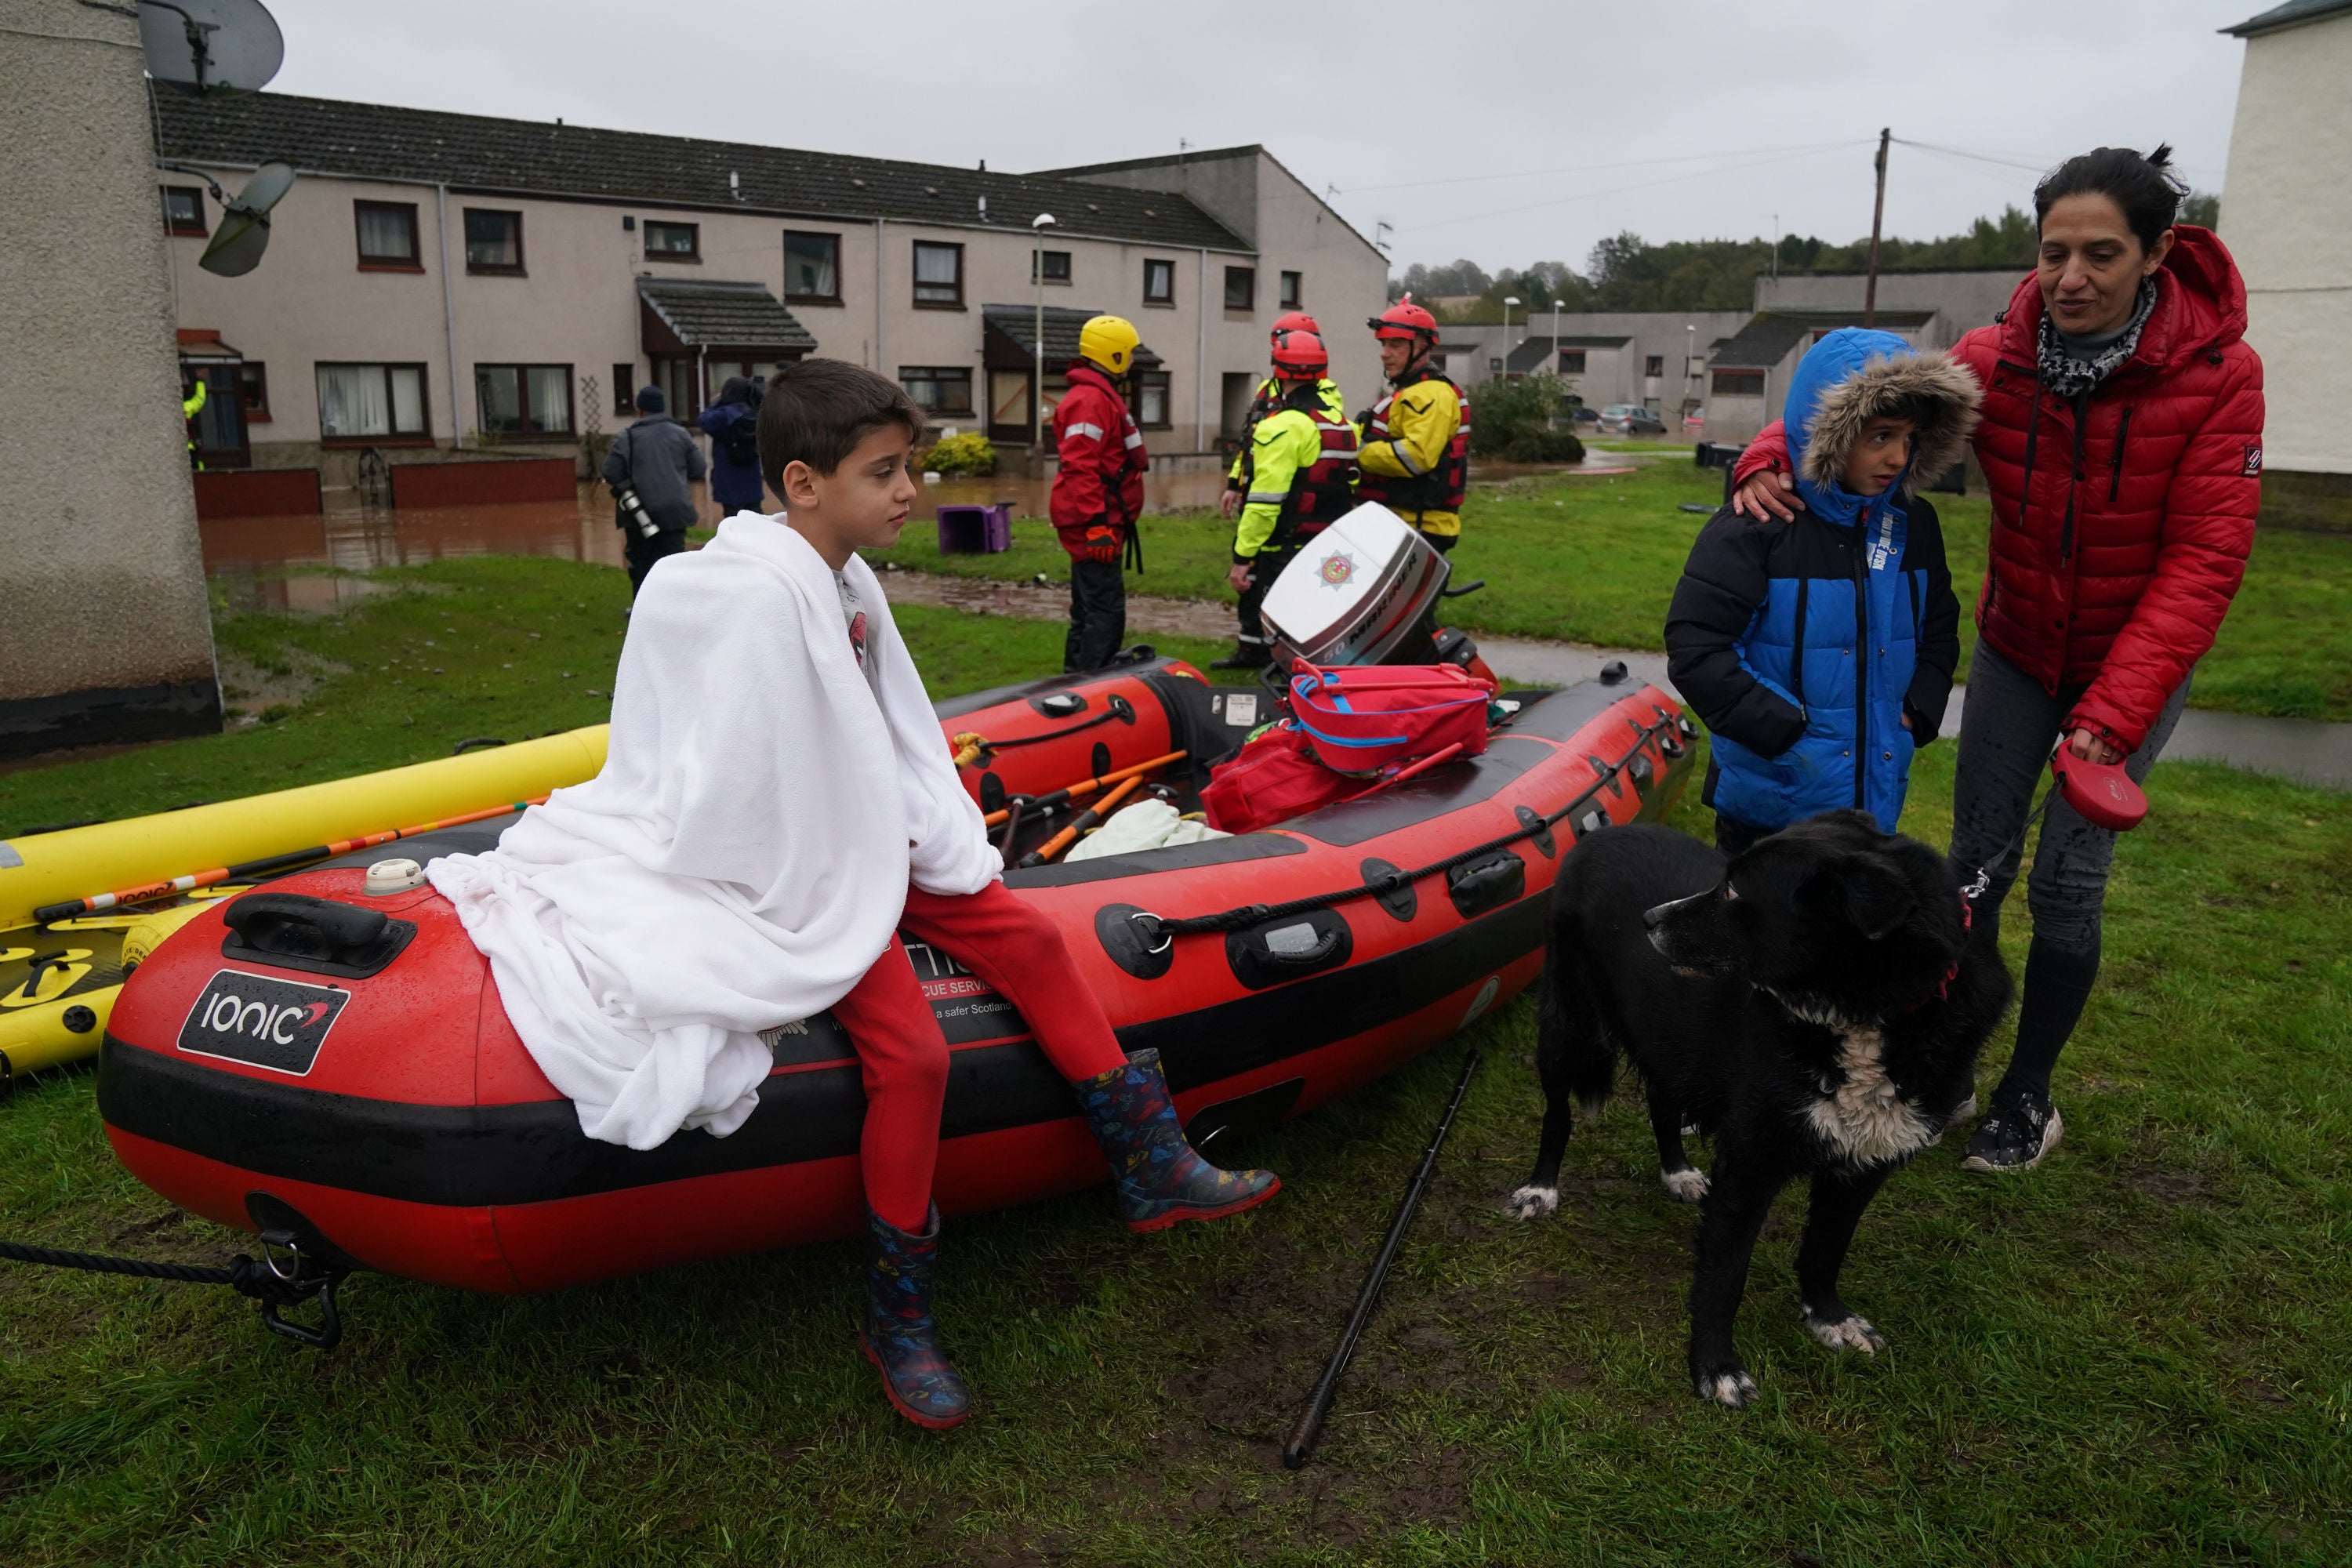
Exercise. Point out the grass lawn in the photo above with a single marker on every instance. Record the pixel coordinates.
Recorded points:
(2138, 1354)
(1593, 559)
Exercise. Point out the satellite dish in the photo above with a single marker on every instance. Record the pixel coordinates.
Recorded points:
(211, 46)
(244, 231)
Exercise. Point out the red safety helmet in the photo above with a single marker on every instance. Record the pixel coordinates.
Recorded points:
(1293, 321)
(1404, 320)
(1300, 356)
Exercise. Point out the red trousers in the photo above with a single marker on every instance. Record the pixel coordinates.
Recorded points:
(904, 1057)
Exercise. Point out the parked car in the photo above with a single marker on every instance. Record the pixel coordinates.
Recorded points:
(1586, 416)
(1631, 419)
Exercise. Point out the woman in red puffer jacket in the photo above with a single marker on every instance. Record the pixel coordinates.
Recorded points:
(2122, 440)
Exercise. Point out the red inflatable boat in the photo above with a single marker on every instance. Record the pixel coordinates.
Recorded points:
(344, 1075)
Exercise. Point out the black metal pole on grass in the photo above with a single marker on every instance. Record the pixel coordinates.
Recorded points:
(1318, 1403)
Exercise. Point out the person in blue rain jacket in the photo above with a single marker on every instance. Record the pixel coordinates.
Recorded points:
(1819, 651)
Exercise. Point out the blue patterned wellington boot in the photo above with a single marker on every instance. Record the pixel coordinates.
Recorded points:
(1160, 1180)
(897, 1333)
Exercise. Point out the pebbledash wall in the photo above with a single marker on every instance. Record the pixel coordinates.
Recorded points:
(2286, 216)
(106, 636)
(576, 302)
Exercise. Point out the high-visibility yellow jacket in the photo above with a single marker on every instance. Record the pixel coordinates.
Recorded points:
(1265, 400)
(1422, 418)
(1300, 469)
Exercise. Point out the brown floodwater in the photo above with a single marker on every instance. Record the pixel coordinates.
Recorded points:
(247, 555)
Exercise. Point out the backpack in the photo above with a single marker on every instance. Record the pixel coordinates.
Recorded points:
(743, 438)
(1362, 717)
(1274, 778)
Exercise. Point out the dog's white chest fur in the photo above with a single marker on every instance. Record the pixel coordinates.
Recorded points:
(1863, 1119)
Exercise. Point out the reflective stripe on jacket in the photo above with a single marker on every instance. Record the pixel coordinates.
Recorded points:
(1416, 452)
(1301, 476)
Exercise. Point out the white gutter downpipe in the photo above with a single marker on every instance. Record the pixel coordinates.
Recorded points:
(1201, 360)
(449, 316)
(879, 358)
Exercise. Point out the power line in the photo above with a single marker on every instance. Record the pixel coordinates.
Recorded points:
(1636, 185)
(1592, 168)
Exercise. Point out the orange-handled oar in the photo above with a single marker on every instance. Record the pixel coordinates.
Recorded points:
(263, 866)
(1085, 787)
(1080, 823)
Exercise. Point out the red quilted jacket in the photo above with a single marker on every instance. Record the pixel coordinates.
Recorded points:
(1099, 486)
(2120, 526)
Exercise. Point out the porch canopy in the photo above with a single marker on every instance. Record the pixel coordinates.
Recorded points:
(688, 318)
(1009, 338)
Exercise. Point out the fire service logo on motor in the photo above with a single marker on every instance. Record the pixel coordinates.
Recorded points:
(1337, 569)
(274, 1024)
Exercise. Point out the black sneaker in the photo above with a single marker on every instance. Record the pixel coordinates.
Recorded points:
(2023, 1127)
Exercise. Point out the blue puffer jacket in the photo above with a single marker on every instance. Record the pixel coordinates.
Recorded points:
(1805, 645)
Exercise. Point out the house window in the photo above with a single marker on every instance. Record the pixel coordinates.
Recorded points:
(939, 274)
(1152, 400)
(1290, 291)
(625, 389)
(387, 235)
(521, 401)
(184, 210)
(253, 391)
(493, 241)
(1494, 367)
(371, 402)
(1158, 282)
(1571, 362)
(1739, 384)
(1056, 265)
(939, 390)
(673, 241)
(1241, 288)
(812, 269)
(1655, 365)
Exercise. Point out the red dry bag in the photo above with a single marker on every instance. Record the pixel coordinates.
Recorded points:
(1274, 778)
(1362, 717)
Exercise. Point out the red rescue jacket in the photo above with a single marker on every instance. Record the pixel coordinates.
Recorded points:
(2120, 524)
(1098, 488)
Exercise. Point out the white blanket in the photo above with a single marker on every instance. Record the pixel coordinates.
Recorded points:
(1146, 825)
(744, 855)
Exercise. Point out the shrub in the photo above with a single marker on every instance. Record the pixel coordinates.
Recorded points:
(967, 454)
(1514, 420)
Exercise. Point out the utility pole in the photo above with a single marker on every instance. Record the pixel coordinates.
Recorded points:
(1877, 215)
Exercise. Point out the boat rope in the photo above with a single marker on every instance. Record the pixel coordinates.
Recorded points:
(261, 1278)
(1156, 931)
(971, 746)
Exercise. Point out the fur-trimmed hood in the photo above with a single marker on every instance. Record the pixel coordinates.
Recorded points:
(1852, 376)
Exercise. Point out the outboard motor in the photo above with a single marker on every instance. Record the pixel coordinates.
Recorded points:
(1365, 590)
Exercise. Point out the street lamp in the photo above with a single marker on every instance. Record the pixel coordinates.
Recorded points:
(1509, 301)
(1037, 227)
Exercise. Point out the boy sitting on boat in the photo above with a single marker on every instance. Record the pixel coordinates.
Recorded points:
(777, 805)
(1819, 652)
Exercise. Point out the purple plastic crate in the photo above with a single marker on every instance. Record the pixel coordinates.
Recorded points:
(975, 530)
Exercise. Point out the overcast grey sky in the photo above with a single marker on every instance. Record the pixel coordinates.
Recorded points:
(1533, 129)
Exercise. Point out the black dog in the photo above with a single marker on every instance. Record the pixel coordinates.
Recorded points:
(1816, 1006)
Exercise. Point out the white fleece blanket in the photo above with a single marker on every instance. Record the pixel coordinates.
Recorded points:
(743, 857)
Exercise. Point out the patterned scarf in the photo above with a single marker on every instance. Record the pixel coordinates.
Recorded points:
(2071, 378)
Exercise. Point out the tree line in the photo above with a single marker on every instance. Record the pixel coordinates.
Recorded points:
(1626, 272)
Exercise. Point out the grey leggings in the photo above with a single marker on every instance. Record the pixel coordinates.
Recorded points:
(2007, 728)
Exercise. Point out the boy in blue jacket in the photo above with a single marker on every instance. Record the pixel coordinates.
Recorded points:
(1819, 651)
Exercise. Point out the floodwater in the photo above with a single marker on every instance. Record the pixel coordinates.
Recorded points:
(247, 554)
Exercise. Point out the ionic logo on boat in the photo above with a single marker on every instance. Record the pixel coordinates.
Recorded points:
(269, 1023)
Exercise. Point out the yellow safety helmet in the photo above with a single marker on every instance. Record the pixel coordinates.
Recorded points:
(1110, 342)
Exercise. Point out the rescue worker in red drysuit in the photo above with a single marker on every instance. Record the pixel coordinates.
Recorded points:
(1099, 490)
(1300, 467)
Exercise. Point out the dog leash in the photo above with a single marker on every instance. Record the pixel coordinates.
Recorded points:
(1976, 886)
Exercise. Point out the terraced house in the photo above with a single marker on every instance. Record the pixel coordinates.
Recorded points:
(437, 281)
